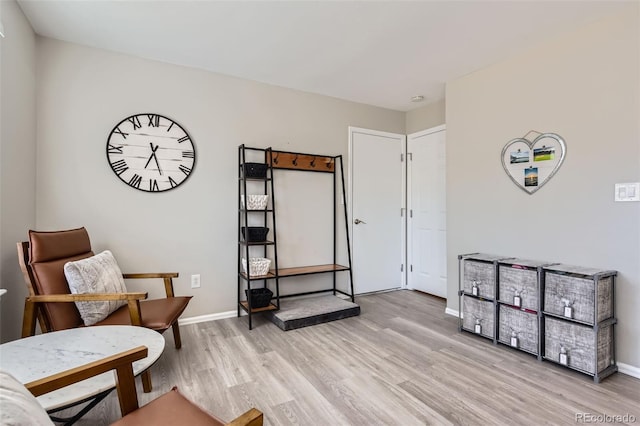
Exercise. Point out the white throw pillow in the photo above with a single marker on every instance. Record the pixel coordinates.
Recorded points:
(96, 274)
(18, 406)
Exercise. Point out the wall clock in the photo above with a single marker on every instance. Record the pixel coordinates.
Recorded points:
(150, 152)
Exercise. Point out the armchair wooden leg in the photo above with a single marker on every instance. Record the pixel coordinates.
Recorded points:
(126, 387)
(176, 335)
(29, 319)
(146, 381)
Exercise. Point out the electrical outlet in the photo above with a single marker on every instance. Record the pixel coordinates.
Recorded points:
(195, 281)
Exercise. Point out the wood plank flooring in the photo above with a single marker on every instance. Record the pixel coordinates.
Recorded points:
(401, 362)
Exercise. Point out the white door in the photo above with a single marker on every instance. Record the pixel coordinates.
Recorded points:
(376, 200)
(427, 203)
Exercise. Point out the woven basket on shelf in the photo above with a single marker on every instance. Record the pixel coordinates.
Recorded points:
(258, 266)
(254, 234)
(254, 202)
(259, 297)
(255, 170)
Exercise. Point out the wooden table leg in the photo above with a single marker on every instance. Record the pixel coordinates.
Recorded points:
(146, 381)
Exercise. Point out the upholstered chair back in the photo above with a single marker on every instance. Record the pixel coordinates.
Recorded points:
(48, 253)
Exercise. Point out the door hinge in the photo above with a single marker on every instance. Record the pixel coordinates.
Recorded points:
(411, 268)
(401, 157)
(411, 213)
(401, 211)
(402, 268)
(410, 156)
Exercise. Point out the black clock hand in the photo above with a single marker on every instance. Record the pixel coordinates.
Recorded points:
(153, 155)
(157, 163)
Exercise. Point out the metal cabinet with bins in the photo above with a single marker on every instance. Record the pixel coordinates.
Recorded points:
(560, 313)
(579, 318)
(476, 294)
(518, 313)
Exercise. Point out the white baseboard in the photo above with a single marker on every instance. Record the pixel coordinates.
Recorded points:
(629, 370)
(452, 312)
(208, 317)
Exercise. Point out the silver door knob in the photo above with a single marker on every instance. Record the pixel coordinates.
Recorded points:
(358, 221)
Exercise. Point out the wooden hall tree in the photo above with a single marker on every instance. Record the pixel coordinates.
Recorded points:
(259, 176)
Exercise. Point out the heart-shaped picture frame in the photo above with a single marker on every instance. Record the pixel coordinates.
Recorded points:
(531, 164)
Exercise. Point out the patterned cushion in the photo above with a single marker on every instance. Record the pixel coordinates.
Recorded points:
(19, 406)
(96, 274)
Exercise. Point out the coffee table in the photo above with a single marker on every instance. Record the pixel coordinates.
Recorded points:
(43, 355)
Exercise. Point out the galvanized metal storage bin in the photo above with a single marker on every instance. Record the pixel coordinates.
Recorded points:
(519, 282)
(478, 312)
(588, 349)
(582, 294)
(521, 325)
(479, 271)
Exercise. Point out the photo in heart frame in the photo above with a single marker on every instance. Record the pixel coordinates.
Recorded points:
(531, 164)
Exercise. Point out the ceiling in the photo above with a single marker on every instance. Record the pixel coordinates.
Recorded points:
(374, 52)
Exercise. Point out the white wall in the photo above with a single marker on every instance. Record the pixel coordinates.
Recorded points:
(584, 86)
(423, 118)
(17, 157)
(83, 92)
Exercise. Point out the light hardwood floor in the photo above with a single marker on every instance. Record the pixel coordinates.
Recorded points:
(401, 362)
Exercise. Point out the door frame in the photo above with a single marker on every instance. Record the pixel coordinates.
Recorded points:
(409, 239)
(403, 188)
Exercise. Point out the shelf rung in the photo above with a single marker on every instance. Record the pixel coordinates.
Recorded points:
(305, 270)
(245, 305)
(257, 277)
(256, 243)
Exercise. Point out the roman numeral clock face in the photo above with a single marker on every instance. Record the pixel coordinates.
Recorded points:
(150, 152)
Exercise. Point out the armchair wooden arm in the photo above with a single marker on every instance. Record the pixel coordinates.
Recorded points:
(87, 297)
(31, 308)
(125, 384)
(121, 363)
(167, 277)
(253, 417)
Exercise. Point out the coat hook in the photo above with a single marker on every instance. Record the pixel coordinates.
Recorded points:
(329, 163)
(313, 162)
(275, 160)
(295, 160)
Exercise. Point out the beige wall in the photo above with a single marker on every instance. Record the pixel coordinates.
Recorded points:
(584, 86)
(428, 116)
(17, 157)
(84, 92)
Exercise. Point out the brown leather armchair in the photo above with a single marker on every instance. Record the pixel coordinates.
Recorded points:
(169, 409)
(50, 301)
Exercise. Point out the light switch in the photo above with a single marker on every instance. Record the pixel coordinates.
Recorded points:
(627, 191)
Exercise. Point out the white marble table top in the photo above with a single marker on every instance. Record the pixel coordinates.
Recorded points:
(46, 354)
